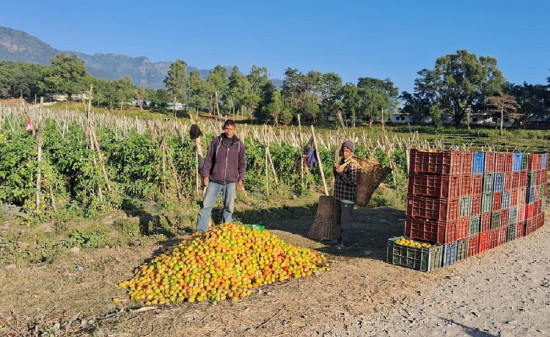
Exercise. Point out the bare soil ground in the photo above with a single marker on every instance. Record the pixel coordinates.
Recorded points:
(501, 292)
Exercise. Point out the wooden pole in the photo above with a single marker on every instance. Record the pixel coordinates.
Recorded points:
(319, 161)
(39, 136)
(266, 174)
(272, 166)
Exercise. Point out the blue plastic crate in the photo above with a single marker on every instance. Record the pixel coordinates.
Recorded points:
(498, 184)
(543, 161)
(530, 195)
(479, 162)
(505, 200)
(516, 161)
(449, 254)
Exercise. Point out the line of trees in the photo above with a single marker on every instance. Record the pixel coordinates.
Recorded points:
(459, 84)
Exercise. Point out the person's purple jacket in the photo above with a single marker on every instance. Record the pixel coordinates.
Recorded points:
(225, 165)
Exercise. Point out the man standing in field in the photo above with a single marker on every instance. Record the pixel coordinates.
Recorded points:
(223, 171)
(345, 193)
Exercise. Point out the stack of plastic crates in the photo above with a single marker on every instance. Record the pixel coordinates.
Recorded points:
(469, 202)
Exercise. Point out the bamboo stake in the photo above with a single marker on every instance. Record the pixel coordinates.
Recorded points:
(100, 155)
(198, 157)
(319, 160)
(266, 174)
(272, 167)
(39, 136)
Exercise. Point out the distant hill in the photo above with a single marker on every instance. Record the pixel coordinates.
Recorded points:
(19, 46)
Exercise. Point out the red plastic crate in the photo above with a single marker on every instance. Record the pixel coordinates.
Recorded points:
(477, 184)
(435, 161)
(497, 199)
(504, 217)
(489, 162)
(493, 238)
(485, 222)
(529, 211)
(520, 229)
(508, 180)
(534, 162)
(476, 204)
(463, 225)
(500, 161)
(467, 162)
(509, 162)
(466, 183)
(522, 179)
(483, 243)
(529, 228)
(433, 208)
(537, 209)
(539, 221)
(538, 179)
(430, 231)
(513, 197)
(439, 186)
(521, 195)
(502, 235)
(473, 243)
(515, 179)
(521, 213)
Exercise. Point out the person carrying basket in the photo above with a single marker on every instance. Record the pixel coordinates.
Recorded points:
(346, 172)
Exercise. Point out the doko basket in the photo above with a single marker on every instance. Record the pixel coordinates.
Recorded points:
(325, 226)
(371, 174)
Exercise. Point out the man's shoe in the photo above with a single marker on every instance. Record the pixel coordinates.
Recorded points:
(342, 246)
(335, 242)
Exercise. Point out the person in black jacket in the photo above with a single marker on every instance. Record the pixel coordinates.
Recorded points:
(223, 171)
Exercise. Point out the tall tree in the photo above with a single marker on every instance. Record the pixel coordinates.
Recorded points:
(460, 80)
(533, 99)
(330, 86)
(238, 91)
(19, 79)
(381, 96)
(66, 75)
(176, 81)
(198, 91)
(503, 105)
(217, 80)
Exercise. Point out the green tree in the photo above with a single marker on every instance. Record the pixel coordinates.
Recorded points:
(198, 91)
(330, 86)
(217, 83)
(351, 100)
(124, 91)
(176, 81)
(238, 92)
(460, 80)
(380, 96)
(19, 79)
(533, 99)
(66, 75)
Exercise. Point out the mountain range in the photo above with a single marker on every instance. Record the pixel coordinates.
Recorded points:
(19, 46)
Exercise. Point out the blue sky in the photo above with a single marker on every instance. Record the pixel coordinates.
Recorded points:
(380, 39)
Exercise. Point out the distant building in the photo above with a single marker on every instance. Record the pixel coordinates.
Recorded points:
(408, 119)
(177, 107)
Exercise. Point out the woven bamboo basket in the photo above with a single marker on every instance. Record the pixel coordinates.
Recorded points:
(371, 174)
(325, 226)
